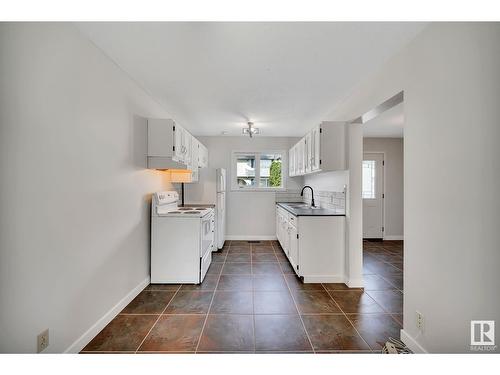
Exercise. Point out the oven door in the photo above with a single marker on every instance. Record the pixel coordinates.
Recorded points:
(207, 233)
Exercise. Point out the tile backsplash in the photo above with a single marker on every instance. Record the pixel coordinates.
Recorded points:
(324, 199)
(288, 196)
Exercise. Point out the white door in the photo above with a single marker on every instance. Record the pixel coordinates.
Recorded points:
(373, 195)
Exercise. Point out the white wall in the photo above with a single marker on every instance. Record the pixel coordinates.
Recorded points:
(74, 198)
(249, 214)
(451, 80)
(393, 182)
(327, 181)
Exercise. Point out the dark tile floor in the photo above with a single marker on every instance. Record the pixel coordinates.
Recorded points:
(251, 301)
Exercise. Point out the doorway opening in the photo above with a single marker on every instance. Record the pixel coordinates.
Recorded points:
(383, 209)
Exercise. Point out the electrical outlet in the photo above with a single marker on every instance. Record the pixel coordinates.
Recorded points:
(419, 320)
(43, 341)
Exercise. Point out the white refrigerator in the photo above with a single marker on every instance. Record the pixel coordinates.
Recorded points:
(220, 207)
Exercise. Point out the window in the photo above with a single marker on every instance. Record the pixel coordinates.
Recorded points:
(368, 179)
(245, 170)
(258, 170)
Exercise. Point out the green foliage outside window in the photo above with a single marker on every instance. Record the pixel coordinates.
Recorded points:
(275, 174)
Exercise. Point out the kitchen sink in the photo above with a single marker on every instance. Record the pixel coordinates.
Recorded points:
(303, 206)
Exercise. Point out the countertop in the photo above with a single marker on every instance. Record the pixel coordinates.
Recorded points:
(309, 211)
(199, 205)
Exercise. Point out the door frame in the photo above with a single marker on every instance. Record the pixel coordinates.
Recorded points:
(383, 187)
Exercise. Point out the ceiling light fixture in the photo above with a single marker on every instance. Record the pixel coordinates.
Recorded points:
(250, 130)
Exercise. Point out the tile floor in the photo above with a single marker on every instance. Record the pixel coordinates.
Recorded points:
(252, 302)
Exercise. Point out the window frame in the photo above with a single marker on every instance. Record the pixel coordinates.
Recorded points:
(257, 155)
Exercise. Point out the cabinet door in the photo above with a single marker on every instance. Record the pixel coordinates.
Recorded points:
(160, 137)
(315, 148)
(188, 138)
(194, 175)
(307, 153)
(291, 167)
(195, 150)
(284, 233)
(278, 226)
(205, 157)
(179, 144)
(300, 158)
(202, 156)
(294, 247)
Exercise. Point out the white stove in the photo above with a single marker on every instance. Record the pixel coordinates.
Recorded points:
(167, 205)
(182, 240)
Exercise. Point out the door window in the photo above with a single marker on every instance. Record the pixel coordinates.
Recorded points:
(369, 179)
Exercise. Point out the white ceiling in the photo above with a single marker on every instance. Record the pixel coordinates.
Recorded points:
(214, 77)
(388, 124)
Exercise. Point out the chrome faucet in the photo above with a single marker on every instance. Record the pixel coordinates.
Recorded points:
(312, 194)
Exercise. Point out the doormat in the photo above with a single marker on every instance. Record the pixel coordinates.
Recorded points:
(395, 346)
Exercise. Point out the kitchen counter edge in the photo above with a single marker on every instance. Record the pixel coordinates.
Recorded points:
(318, 212)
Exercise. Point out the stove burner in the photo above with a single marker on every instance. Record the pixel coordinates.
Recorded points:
(192, 212)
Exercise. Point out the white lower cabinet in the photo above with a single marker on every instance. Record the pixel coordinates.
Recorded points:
(293, 247)
(314, 245)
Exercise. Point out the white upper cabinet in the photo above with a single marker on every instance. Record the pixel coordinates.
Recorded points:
(188, 141)
(194, 165)
(195, 153)
(315, 148)
(202, 156)
(323, 149)
(300, 156)
(307, 153)
(178, 133)
(170, 146)
(182, 143)
(291, 162)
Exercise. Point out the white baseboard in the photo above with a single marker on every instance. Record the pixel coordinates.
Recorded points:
(411, 343)
(250, 238)
(355, 283)
(323, 279)
(84, 339)
(394, 238)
